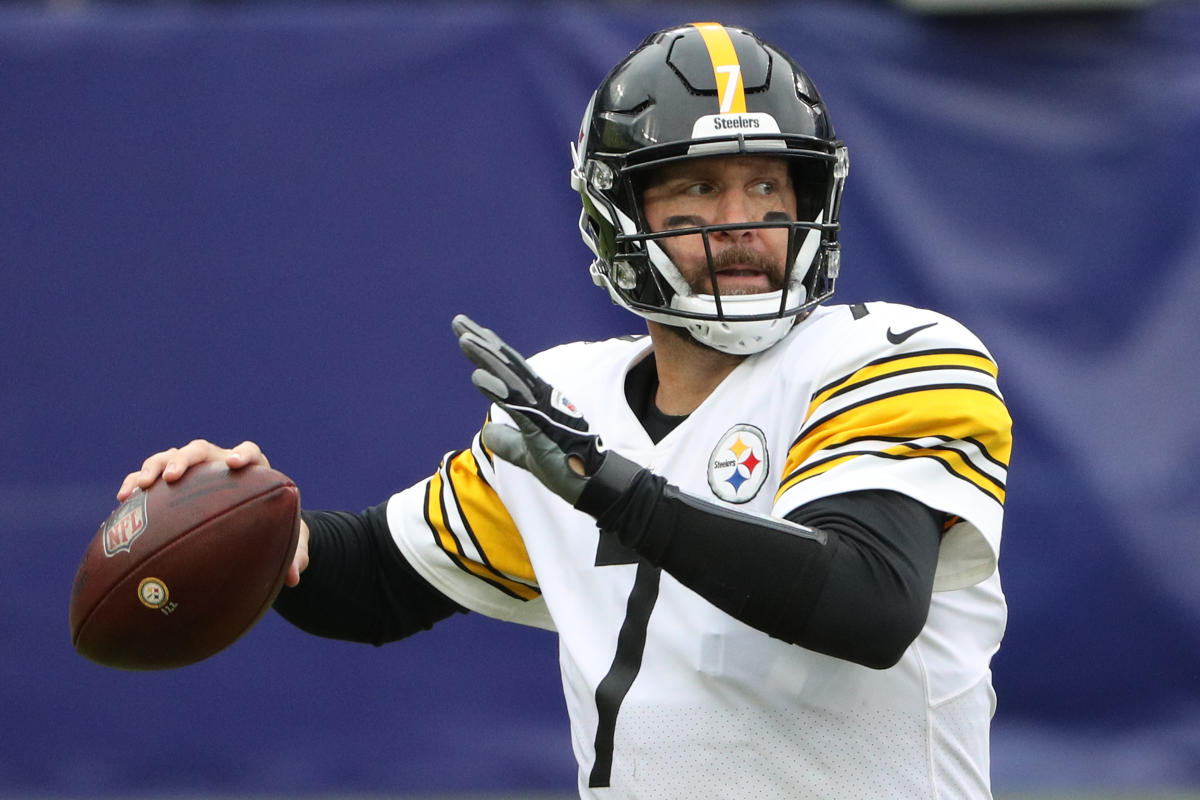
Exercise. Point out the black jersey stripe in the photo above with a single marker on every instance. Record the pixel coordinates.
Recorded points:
(909, 443)
(948, 351)
(456, 556)
(482, 448)
(485, 562)
(438, 533)
(842, 454)
(448, 542)
(906, 371)
(797, 477)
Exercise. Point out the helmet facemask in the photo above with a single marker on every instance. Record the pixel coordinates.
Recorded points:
(657, 109)
(633, 265)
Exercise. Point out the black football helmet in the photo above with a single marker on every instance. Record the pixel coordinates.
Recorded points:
(690, 92)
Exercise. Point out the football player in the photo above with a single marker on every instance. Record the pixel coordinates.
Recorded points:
(766, 533)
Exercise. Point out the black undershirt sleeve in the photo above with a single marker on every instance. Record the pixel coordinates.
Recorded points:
(358, 586)
(850, 576)
(876, 595)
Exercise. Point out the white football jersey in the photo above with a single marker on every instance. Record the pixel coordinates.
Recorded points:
(668, 696)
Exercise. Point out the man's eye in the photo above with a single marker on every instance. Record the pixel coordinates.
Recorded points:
(764, 187)
(697, 189)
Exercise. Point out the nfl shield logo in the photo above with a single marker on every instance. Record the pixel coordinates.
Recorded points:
(125, 524)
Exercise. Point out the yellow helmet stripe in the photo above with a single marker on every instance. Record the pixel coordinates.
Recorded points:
(728, 71)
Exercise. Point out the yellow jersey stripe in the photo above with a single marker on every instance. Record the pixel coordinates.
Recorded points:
(958, 412)
(900, 364)
(946, 412)
(731, 93)
(488, 523)
(504, 562)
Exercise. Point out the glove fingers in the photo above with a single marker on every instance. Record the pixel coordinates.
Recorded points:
(464, 325)
(506, 383)
(483, 340)
(488, 352)
(525, 425)
(506, 442)
(492, 387)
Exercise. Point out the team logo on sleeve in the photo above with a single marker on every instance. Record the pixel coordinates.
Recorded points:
(738, 465)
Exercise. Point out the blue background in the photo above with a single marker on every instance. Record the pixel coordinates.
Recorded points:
(255, 222)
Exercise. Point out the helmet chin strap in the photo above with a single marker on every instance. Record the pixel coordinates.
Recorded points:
(734, 334)
(739, 336)
(742, 338)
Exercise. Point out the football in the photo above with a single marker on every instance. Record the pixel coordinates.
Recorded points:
(180, 571)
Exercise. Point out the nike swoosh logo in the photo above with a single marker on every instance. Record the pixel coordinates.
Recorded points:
(900, 338)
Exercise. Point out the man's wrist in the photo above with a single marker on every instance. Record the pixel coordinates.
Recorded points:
(604, 488)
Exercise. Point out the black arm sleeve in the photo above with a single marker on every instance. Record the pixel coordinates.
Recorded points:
(852, 578)
(358, 586)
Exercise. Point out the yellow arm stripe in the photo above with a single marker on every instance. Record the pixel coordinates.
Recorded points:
(731, 93)
(505, 563)
(948, 413)
(898, 365)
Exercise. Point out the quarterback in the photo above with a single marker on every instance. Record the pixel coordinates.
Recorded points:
(766, 531)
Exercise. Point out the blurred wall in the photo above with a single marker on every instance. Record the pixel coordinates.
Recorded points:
(257, 221)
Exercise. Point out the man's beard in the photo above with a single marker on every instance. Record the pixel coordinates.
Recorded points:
(732, 256)
(739, 255)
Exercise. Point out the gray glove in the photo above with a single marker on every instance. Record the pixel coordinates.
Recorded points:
(551, 439)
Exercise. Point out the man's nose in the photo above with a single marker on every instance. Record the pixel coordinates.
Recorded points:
(732, 208)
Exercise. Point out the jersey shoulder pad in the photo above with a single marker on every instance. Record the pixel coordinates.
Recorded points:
(907, 400)
(587, 369)
(603, 350)
(876, 329)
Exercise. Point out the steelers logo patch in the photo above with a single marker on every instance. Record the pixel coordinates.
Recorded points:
(153, 593)
(738, 465)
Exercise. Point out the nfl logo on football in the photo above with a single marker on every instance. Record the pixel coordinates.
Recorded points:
(125, 524)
